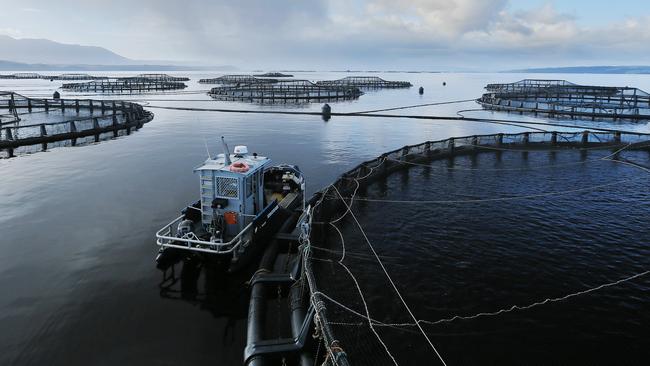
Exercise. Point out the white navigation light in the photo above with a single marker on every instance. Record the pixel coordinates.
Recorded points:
(241, 150)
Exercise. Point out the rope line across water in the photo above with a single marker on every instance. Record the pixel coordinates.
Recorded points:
(487, 314)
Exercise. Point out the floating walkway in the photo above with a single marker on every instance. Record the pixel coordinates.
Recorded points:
(49, 121)
(156, 78)
(349, 332)
(35, 76)
(125, 85)
(78, 77)
(236, 80)
(285, 91)
(24, 75)
(559, 98)
(273, 75)
(370, 82)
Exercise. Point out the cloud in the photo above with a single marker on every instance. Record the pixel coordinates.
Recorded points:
(429, 34)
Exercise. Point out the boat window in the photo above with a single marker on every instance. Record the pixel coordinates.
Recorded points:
(249, 185)
(227, 187)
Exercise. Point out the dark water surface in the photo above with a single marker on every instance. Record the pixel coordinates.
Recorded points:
(461, 258)
(77, 224)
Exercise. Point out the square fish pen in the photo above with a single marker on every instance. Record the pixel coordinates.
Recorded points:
(285, 91)
(370, 82)
(562, 98)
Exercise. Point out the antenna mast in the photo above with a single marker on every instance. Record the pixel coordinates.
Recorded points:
(206, 148)
(226, 152)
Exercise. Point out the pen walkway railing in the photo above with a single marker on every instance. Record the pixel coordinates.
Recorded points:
(103, 116)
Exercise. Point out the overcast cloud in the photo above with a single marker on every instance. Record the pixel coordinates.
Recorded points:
(318, 34)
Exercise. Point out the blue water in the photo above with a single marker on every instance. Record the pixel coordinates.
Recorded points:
(76, 250)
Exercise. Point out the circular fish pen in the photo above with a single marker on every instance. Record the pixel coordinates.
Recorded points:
(284, 92)
(236, 80)
(369, 82)
(30, 124)
(79, 77)
(562, 98)
(157, 78)
(24, 76)
(452, 251)
(124, 86)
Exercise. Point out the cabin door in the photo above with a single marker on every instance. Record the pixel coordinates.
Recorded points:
(256, 192)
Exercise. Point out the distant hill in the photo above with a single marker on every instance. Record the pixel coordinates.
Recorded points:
(18, 66)
(46, 55)
(43, 50)
(588, 70)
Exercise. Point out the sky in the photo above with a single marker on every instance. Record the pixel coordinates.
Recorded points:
(347, 34)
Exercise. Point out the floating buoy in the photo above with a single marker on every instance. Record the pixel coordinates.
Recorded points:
(327, 112)
(421, 91)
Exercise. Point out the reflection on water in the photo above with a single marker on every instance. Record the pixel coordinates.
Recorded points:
(77, 252)
(207, 284)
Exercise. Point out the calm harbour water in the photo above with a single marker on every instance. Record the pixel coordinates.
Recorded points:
(78, 280)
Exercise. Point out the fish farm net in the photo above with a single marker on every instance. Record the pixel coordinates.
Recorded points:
(285, 91)
(8, 114)
(562, 98)
(368, 82)
(452, 251)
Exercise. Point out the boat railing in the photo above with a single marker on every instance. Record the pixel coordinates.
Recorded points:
(166, 238)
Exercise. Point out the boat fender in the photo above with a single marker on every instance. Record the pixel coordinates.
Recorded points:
(239, 167)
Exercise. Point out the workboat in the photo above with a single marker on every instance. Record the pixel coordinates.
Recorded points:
(244, 200)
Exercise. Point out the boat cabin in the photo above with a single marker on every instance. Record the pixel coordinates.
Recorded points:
(232, 191)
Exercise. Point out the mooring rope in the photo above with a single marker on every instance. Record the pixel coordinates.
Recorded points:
(363, 298)
(487, 314)
(390, 280)
(418, 105)
(523, 124)
(354, 279)
(545, 301)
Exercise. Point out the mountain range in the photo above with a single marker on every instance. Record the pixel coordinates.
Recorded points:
(28, 54)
